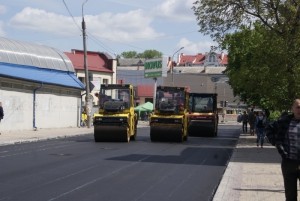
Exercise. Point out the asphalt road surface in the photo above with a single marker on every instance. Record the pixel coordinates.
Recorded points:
(77, 168)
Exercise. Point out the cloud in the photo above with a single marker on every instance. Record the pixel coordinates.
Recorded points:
(125, 27)
(176, 10)
(191, 47)
(2, 32)
(2, 9)
(42, 21)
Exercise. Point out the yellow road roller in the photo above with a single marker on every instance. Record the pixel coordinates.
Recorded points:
(116, 119)
(168, 122)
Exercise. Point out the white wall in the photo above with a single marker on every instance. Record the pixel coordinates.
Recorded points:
(17, 108)
(52, 111)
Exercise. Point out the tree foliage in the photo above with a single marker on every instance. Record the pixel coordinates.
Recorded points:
(263, 42)
(129, 54)
(147, 54)
(218, 17)
(255, 69)
(150, 54)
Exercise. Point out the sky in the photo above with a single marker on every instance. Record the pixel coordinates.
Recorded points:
(112, 26)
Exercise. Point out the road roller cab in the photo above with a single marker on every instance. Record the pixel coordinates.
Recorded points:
(203, 114)
(168, 122)
(116, 119)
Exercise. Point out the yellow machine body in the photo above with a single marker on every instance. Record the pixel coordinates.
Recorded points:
(116, 119)
(168, 122)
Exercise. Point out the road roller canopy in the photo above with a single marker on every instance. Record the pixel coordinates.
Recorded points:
(202, 102)
(170, 99)
(115, 95)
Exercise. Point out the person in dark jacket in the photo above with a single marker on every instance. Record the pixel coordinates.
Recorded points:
(260, 124)
(1, 113)
(252, 120)
(245, 121)
(288, 145)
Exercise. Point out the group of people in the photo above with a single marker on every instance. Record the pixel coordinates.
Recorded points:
(285, 135)
(286, 131)
(257, 122)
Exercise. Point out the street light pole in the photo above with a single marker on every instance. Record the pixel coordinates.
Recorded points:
(224, 104)
(87, 82)
(173, 65)
(223, 80)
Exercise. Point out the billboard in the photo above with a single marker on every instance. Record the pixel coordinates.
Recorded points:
(156, 67)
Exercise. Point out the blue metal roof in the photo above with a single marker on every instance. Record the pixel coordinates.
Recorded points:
(41, 75)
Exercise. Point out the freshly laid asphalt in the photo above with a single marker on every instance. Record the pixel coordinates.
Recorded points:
(253, 173)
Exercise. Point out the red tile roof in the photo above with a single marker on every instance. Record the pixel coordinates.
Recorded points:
(145, 91)
(224, 60)
(94, 61)
(199, 59)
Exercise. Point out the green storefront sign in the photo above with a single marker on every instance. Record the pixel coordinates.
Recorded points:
(155, 68)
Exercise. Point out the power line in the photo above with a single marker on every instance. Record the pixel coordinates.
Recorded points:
(101, 44)
(71, 15)
(91, 36)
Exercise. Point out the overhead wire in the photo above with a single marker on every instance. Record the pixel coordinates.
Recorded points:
(89, 34)
(110, 50)
(72, 16)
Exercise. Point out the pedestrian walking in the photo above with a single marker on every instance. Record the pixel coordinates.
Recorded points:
(287, 142)
(245, 121)
(252, 119)
(260, 125)
(83, 119)
(1, 113)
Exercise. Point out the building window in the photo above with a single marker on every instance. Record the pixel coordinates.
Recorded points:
(105, 81)
(81, 79)
(212, 58)
(91, 76)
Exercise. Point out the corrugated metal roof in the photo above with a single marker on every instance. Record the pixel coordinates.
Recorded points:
(40, 75)
(37, 63)
(23, 53)
(131, 62)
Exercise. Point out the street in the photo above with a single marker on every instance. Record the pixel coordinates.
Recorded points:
(77, 168)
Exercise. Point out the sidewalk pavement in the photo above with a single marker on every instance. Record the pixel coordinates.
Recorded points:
(253, 173)
(16, 137)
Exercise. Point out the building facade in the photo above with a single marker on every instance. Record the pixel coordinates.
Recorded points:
(202, 73)
(38, 87)
(101, 70)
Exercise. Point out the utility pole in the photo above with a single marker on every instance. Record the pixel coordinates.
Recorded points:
(87, 81)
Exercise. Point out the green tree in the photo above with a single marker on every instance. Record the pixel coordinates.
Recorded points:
(129, 54)
(147, 54)
(255, 77)
(274, 50)
(150, 54)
